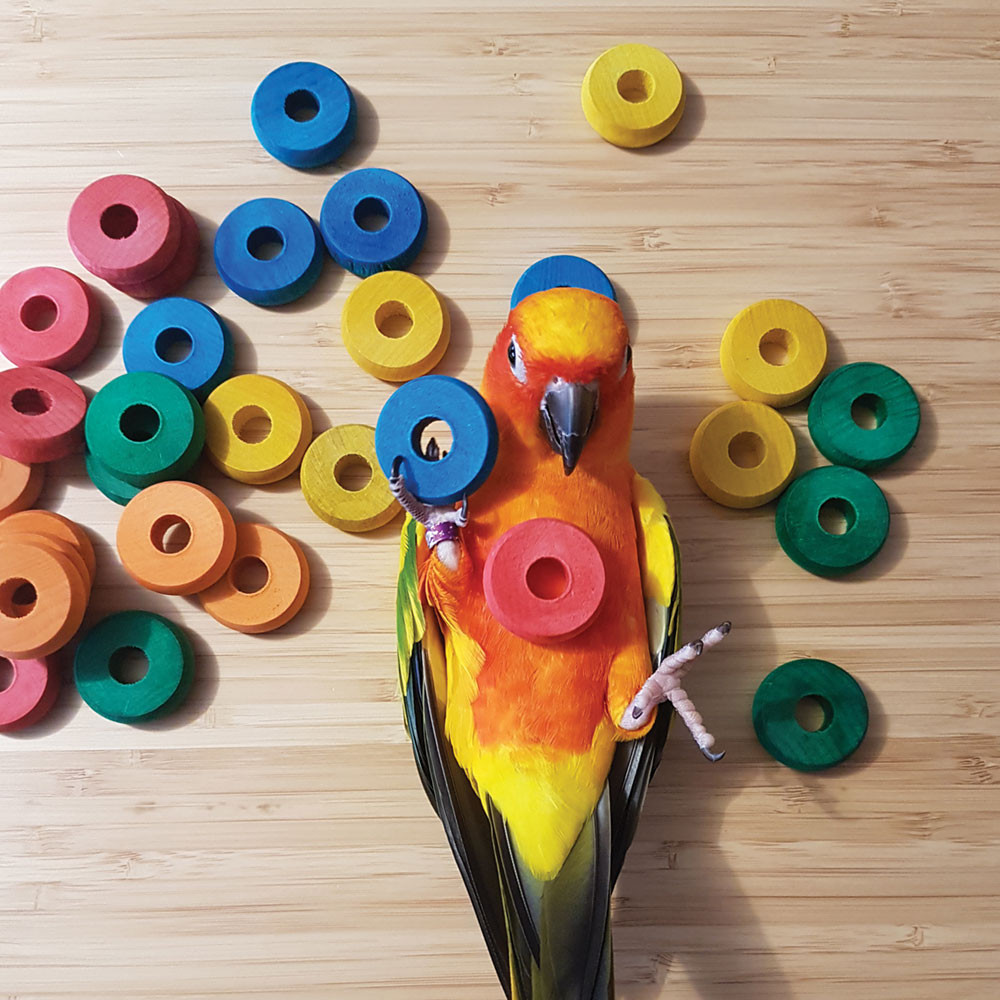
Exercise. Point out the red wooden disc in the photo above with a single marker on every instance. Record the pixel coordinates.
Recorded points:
(124, 228)
(179, 271)
(31, 694)
(48, 317)
(544, 580)
(41, 415)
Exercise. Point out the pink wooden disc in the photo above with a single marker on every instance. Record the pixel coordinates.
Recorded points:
(544, 580)
(124, 228)
(179, 271)
(31, 694)
(48, 318)
(41, 415)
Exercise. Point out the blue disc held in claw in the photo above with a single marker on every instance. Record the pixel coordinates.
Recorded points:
(562, 271)
(405, 416)
(304, 114)
(182, 339)
(373, 220)
(268, 251)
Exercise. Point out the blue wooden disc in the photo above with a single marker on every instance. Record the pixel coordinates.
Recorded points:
(156, 339)
(366, 197)
(562, 271)
(304, 114)
(474, 438)
(268, 251)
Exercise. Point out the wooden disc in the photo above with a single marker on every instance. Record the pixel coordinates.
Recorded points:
(41, 415)
(31, 694)
(278, 598)
(333, 453)
(743, 454)
(633, 95)
(773, 352)
(142, 538)
(64, 548)
(42, 600)
(20, 485)
(844, 706)
(231, 411)
(374, 326)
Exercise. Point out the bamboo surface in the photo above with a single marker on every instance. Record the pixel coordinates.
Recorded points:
(272, 839)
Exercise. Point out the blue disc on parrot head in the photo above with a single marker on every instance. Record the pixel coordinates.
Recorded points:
(406, 415)
(562, 271)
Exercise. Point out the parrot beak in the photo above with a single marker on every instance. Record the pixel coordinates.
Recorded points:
(568, 412)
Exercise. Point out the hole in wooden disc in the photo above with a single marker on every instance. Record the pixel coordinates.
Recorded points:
(249, 574)
(635, 86)
(302, 106)
(813, 713)
(265, 243)
(436, 430)
(547, 578)
(170, 533)
(746, 450)
(39, 313)
(118, 222)
(371, 214)
(352, 473)
(837, 516)
(868, 411)
(31, 402)
(393, 319)
(6, 674)
(128, 665)
(777, 347)
(251, 424)
(139, 422)
(173, 345)
(17, 597)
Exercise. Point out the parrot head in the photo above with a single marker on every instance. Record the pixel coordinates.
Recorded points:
(559, 377)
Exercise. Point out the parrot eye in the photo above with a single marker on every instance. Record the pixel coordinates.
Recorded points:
(627, 360)
(516, 361)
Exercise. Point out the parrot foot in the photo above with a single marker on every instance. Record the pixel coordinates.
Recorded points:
(441, 523)
(664, 684)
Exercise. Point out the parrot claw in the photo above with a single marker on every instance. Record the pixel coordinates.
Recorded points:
(664, 684)
(441, 523)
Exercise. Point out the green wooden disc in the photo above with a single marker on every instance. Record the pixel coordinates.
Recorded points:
(878, 388)
(803, 537)
(144, 427)
(112, 486)
(844, 706)
(167, 680)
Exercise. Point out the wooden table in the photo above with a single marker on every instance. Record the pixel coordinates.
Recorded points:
(272, 840)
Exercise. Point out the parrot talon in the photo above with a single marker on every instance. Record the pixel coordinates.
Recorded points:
(432, 453)
(725, 627)
(713, 757)
(636, 712)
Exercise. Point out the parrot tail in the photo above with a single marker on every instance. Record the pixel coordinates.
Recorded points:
(559, 931)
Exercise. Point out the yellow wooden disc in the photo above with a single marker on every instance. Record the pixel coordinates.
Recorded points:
(743, 454)
(333, 483)
(633, 95)
(773, 352)
(256, 428)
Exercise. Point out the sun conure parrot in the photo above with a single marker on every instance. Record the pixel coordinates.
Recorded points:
(536, 757)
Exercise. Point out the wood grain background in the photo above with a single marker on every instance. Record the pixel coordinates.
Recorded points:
(272, 840)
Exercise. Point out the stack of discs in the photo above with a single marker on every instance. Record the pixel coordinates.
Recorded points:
(141, 428)
(46, 572)
(132, 234)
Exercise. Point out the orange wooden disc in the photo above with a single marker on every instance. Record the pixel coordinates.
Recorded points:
(42, 600)
(48, 522)
(246, 604)
(192, 561)
(20, 485)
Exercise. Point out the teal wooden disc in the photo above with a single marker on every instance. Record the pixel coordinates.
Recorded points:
(803, 507)
(144, 427)
(845, 711)
(112, 486)
(892, 403)
(168, 677)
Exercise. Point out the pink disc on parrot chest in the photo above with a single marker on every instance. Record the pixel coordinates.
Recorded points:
(544, 580)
